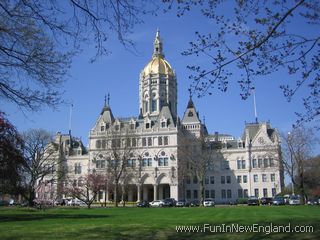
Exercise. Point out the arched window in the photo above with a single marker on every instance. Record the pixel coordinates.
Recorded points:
(154, 103)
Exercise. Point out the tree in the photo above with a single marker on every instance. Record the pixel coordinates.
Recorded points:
(41, 163)
(297, 148)
(199, 158)
(258, 38)
(11, 158)
(118, 151)
(39, 38)
(312, 176)
(88, 188)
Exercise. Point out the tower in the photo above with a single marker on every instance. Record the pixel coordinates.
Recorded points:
(158, 84)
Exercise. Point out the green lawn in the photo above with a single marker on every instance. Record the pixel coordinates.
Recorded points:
(159, 223)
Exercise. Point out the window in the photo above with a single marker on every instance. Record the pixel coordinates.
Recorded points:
(207, 194)
(77, 168)
(163, 161)
(195, 180)
(223, 179)
(132, 126)
(98, 144)
(147, 162)
(100, 164)
(229, 193)
(206, 180)
(256, 192)
(245, 179)
(212, 194)
(144, 142)
(166, 140)
(223, 193)
(245, 193)
(102, 129)
(190, 114)
(273, 177)
(228, 179)
(146, 106)
(264, 177)
(239, 164)
(195, 194)
(134, 142)
(239, 179)
(147, 125)
(265, 162)
(131, 162)
(255, 178)
(226, 165)
(271, 162)
(254, 163)
(149, 141)
(188, 180)
(243, 164)
(188, 194)
(163, 124)
(117, 127)
(240, 193)
(212, 179)
(259, 162)
(104, 143)
(154, 104)
(265, 192)
(159, 141)
(107, 125)
(274, 192)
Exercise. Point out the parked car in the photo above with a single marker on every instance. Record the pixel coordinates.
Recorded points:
(4, 203)
(157, 203)
(294, 200)
(208, 202)
(169, 202)
(278, 200)
(266, 201)
(11, 202)
(253, 201)
(182, 203)
(195, 203)
(313, 201)
(143, 204)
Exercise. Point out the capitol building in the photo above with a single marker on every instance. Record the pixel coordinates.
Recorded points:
(153, 162)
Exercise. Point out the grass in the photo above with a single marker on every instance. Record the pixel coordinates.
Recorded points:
(155, 223)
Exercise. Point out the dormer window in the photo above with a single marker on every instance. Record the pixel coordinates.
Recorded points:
(147, 125)
(102, 128)
(107, 125)
(190, 114)
(132, 126)
(117, 127)
(163, 124)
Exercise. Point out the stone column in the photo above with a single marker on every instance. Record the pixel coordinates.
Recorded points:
(160, 192)
(145, 193)
(138, 192)
(174, 191)
(155, 192)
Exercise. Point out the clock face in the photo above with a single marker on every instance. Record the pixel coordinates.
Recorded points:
(261, 140)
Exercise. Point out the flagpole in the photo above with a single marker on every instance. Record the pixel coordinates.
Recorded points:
(254, 105)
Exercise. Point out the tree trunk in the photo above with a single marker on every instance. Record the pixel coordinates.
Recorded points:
(115, 194)
(301, 187)
(201, 192)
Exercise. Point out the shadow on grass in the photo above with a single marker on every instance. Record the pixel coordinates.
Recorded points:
(45, 216)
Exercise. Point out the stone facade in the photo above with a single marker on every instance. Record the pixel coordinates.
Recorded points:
(250, 165)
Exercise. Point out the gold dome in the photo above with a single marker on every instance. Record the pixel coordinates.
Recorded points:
(158, 65)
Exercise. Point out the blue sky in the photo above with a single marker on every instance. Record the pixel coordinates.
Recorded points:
(118, 74)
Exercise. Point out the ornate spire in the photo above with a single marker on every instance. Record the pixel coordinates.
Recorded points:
(157, 46)
(190, 103)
